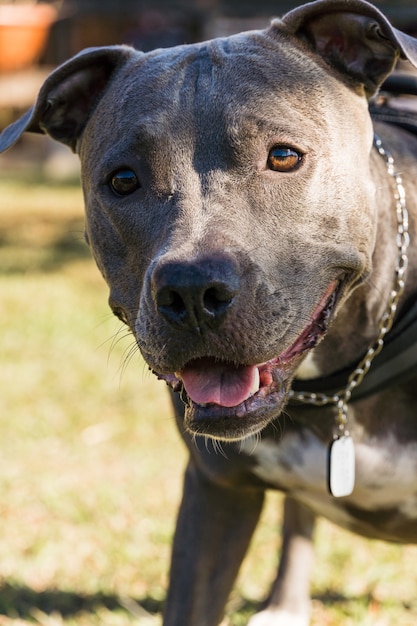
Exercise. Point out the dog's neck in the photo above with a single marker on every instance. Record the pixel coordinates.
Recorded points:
(377, 318)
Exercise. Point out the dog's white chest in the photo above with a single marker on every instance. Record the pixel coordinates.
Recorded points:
(386, 474)
(298, 461)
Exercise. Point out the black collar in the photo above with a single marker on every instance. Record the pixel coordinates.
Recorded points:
(396, 362)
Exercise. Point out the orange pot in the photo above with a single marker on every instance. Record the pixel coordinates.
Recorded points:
(23, 34)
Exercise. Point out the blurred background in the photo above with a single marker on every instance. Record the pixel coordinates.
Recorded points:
(35, 37)
(90, 460)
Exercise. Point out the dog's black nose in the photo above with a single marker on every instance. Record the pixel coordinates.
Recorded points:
(195, 293)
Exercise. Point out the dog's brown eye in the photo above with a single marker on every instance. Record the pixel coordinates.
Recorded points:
(283, 159)
(124, 182)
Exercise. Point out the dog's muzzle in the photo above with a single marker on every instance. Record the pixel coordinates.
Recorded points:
(230, 401)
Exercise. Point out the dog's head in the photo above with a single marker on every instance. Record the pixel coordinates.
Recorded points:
(228, 198)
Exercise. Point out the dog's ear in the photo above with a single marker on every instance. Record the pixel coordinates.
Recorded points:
(69, 96)
(353, 37)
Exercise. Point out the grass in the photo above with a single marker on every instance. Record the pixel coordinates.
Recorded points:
(91, 463)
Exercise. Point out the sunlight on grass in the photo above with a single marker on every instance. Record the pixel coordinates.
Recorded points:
(91, 463)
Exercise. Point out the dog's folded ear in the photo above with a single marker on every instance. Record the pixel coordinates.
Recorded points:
(353, 37)
(69, 96)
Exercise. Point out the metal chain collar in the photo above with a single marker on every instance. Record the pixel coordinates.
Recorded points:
(342, 397)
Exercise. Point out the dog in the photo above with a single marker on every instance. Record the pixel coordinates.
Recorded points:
(256, 228)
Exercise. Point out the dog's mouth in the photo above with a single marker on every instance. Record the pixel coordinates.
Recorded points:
(229, 401)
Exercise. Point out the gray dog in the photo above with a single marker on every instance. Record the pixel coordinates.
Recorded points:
(254, 233)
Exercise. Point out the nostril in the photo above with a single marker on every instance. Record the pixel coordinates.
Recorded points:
(177, 303)
(171, 300)
(217, 299)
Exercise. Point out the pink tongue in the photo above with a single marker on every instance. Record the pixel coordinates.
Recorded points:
(220, 383)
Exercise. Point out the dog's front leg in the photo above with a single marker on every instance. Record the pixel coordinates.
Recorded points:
(215, 525)
(289, 601)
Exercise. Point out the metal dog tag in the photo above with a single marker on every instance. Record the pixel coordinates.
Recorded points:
(341, 478)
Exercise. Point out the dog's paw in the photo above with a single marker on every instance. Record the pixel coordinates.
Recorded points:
(278, 617)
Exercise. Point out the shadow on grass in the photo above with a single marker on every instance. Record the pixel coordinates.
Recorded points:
(23, 602)
(328, 599)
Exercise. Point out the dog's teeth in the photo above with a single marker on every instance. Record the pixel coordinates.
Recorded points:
(256, 383)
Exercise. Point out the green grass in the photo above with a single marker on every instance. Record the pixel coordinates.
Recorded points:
(91, 463)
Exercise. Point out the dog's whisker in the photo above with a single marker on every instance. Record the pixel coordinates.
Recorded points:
(127, 357)
(126, 350)
(278, 425)
(206, 443)
(218, 448)
(249, 444)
